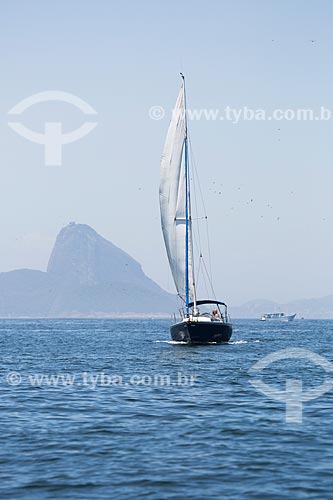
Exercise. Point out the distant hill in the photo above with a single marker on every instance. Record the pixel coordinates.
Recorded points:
(86, 276)
(319, 308)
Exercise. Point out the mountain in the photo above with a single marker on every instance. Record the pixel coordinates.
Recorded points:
(317, 308)
(87, 275)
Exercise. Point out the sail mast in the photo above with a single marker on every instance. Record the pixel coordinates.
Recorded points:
(175, 202)
(188, 222)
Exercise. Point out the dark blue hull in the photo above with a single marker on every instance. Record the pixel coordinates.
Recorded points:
(194, 332)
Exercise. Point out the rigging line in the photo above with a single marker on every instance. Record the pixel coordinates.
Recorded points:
(205, 279)
(205, 212)
(197, 249)
(196, 227)
(204, 273)
(209, 254)
(210, 281)
(197, 233)
(198, 183)
(206, 285)
(197, 244)
(197, 175)
(198, 273)
(196, 206)
(201, 271)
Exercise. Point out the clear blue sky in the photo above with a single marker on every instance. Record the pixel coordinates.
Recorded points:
(123, 58)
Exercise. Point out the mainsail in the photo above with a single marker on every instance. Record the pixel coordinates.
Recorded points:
(174, 202)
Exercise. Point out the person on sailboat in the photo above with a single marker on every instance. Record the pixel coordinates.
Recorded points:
(216, 313)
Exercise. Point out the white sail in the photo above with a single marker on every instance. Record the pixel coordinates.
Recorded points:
(173, 200)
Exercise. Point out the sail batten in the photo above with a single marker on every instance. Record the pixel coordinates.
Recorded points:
(173, 199)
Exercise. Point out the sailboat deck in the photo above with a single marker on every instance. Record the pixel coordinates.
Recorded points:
(201, 319)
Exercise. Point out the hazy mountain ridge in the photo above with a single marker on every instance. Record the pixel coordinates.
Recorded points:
(87, 275)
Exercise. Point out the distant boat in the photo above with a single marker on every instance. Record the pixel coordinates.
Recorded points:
(195, 326)
(278, 317)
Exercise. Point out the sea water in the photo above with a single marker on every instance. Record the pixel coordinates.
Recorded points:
(113, 409)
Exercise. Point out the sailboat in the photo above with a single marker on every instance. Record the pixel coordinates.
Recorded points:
(201, 321)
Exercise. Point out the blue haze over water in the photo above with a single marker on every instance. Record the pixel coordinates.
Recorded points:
(216, 438)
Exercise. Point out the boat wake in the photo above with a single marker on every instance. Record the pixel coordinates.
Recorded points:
(231, 342)
(173, 342)
(178, 342)
(234, 342)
